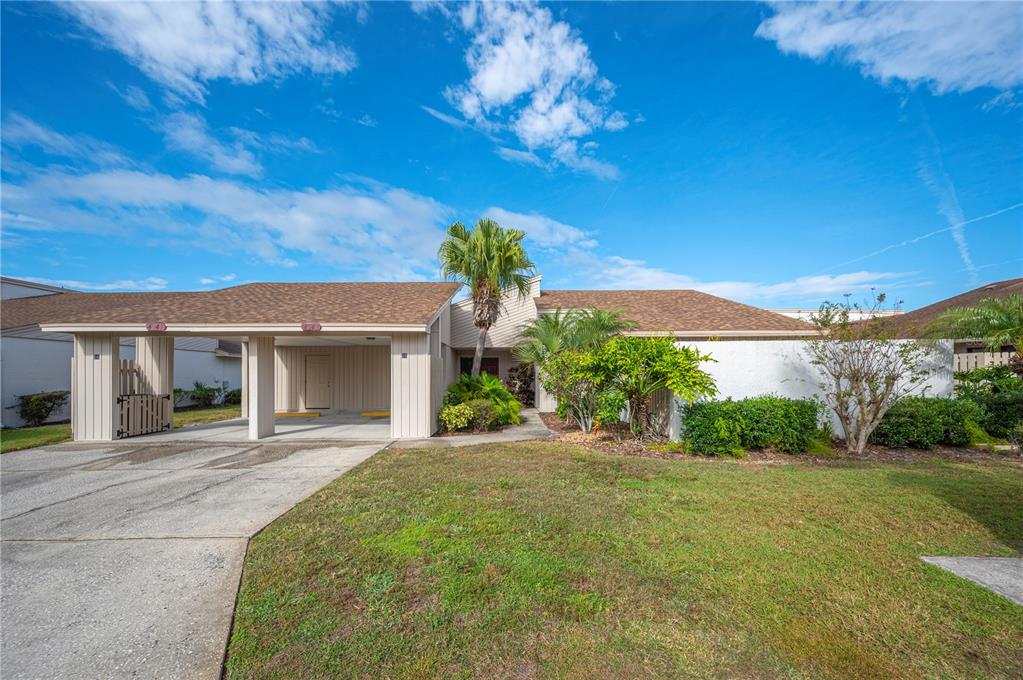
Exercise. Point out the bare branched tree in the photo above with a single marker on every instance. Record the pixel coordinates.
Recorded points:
(864, 369)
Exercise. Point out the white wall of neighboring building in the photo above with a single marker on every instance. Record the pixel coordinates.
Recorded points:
(749, 368)
(854, 314)
(11, 289)
(29, 365)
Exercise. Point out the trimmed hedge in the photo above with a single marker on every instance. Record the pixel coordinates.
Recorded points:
(727, 428)
(36, 409)
(925, 422)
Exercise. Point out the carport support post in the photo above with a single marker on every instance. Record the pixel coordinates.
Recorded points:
(245, 379)
(95, 386)
(261, 386)
(154, 359)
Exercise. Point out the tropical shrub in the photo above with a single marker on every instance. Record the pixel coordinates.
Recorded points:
(36, 409)
(568, 376)
(987, 380)
(520, 383)
(727, 427)
(204, 396)
(233, 397)
(922, 423)
(1003, 411)
(483, 415)
(490, 388)
(455, 417)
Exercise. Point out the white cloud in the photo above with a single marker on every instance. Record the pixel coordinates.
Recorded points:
(533, 76)
(149, 283)
(1003, 100)
(188, 132)
(568, 154)
(185, 45)
(621, 273)
(383, 231)
(950, 46)
(517, 156)
(208, 280)
(134, 96)
(542, 230)
(367, 120)
(20, 131)
(445, 118)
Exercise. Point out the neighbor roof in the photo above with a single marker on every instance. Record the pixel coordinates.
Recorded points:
(915, 324)
(677, 311)
(249, 304)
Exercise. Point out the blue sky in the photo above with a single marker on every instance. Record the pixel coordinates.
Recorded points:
(775, 154)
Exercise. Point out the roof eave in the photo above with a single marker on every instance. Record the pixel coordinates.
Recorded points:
(229, 329)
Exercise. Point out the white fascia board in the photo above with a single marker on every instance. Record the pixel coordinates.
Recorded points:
(230, 329)
(721, 334)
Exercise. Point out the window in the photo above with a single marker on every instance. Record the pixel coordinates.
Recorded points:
(488, 365)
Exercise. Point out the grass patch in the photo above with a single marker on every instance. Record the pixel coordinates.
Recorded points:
(19, 438)
(545, 560)
(16, 439)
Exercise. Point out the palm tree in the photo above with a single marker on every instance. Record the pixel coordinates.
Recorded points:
(998, 321)
(594, 326)
(571, 329)
(545, 335)
(488, 259)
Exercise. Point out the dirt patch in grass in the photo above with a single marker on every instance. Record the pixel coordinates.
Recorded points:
(547, 560)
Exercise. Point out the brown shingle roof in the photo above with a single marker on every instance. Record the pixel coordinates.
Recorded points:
(676, 311)
(254, 303)
(915, 324)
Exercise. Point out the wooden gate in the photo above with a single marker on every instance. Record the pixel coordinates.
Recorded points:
(140, 413)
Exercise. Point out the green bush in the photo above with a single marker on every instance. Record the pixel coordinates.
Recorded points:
(713, 428)
(1015, 438)
(727, 427)
(924, 422)
(455, 417)
(233, 397)
(36, 409)
(203, 395)
(483, 415)
(987, 380)
(1003, 411)
(487, 387)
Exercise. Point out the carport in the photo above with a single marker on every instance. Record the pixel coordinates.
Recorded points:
(334, 351)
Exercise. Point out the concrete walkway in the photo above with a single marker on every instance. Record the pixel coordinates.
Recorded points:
(532, 427)
(1003, 575)
(124, 562)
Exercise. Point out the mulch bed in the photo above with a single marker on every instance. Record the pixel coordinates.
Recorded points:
(606, 442)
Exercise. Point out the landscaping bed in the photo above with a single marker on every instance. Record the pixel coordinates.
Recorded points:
(541, 559)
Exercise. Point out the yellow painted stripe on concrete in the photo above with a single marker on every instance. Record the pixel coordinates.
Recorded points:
(375, 414)
(297, 414)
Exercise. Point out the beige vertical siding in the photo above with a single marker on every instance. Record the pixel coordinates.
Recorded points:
(545, 403)
(361, 377)
(504, 333)
(410, 385)
(261, 386)
(94, 387)
(154, 358)
(438, 384)
(245, 380)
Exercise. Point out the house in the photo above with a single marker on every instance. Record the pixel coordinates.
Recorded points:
(389, 348)
(33, 361)
(969, 353)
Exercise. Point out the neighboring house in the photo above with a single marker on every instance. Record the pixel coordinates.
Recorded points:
(854, 315)
(969, 353)
(395, 347)
(33, 361)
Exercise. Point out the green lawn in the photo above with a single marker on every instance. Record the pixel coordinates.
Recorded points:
(547, 560)
(20, 438)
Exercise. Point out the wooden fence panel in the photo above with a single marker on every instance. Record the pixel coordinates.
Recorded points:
(139, 413)
(967, 361)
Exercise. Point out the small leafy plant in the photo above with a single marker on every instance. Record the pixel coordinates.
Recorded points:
(36, 409)
(504, 405)
(454, 417)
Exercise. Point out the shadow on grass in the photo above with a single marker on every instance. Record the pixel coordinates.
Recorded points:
(992, 495)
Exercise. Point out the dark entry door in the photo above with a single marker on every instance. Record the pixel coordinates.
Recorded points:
(487, 365)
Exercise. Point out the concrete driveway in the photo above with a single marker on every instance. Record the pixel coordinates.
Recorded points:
(125, 561)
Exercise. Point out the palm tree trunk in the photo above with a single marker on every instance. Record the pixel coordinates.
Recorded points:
(477, 358)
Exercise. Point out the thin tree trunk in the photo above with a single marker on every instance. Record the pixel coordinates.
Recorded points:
(477, 358)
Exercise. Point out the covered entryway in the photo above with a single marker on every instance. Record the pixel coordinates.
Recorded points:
(319, 371)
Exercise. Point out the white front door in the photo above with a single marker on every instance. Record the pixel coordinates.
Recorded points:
(317, 381)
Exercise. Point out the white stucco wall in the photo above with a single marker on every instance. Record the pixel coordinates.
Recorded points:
(749, 368)
(29, 365)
